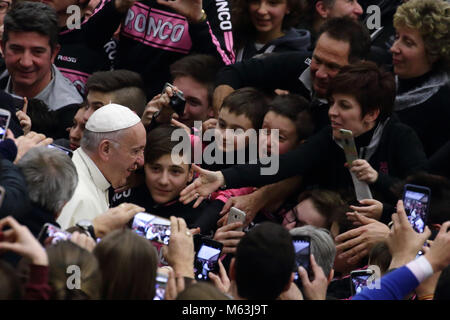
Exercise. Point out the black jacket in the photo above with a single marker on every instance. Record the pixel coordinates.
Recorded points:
(16, 201)
(205, 216)
(320, 160)
(153, 37)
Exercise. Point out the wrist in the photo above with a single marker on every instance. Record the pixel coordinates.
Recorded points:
(40, 257)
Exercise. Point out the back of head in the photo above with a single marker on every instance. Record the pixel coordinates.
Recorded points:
(201, 67)
(264, 262)
(51, 177)
(351, 31)
(26, 16)
(372, 87)
(127, 88)
(67, 261)
(128, 264)
(322, 245)
(10, 286)
(202, 291)
(249, 102)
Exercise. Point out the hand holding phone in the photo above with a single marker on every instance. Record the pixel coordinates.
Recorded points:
(359, 280)
(160, 286)
(206, 259)
(51, 234)
(236, 215)
(177, 101)
(416, 200)
(152, 227)
(5, 116)
(302, 248)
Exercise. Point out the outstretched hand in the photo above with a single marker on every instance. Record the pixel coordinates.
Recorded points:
(207, 182)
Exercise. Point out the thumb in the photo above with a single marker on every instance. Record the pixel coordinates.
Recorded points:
(197, 169)
(25, 105)
(227, 206)
(303, 274)
(426, 234)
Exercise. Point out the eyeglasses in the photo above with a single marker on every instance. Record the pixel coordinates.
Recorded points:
(4, 6)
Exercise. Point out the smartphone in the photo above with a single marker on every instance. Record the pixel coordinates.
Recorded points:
(152, 227)
(207, 259)
(359, 279)
(51, 234)
(160, 286)
(5, 116)
(302, 248)
(236, 215)
(416, 200)
(362, 189)
(177, 101)
(65, 150)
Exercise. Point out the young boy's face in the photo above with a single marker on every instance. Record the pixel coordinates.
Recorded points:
(232, 139)
(165, 179)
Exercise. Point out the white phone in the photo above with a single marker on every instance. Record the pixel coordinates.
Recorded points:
(5, 116)
(236, 215)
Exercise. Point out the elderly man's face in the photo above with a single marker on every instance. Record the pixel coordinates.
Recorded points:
(28, 58)
(127, 155)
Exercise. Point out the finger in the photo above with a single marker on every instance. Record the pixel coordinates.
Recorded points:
(194, 231)
(198, 202)
(231, 226)
(314, 266)
(355, 252)
(358, 256)
(188, 191)
(364, 220)
(11, 222)
(347, 245)
(425, 234)
(303, 274)
(402, 217)
(230, 243)
(25, 105)
(181, 225)
(349, 235)
(222, 221)
(173, 225)
(227, 206)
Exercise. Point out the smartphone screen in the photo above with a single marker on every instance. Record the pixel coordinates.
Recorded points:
(416, 201)
(4, 122)
(152, 227)
(302, 248)
(359, 280)
(207, 259)
(51, 234)
(160, 286)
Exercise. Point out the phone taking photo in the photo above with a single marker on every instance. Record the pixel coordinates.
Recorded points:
(177, 101)
(359, 279)
(51, 234)
(302, 248)
(207, 259)
(416, 200)
(5, 116)
(152, 227)
(236, 215)
(160, 286)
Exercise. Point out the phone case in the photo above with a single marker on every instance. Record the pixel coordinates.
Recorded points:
(236, 215)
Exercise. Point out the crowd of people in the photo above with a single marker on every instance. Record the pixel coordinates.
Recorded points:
(92, 106)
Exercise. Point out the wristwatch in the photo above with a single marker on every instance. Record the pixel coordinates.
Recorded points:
(88, 227)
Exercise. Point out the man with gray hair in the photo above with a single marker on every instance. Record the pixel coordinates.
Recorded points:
(51, 180)
(112, 148)
(323, 249)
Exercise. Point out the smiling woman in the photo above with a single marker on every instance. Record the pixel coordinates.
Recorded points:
(264, 26)
(421, 58)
